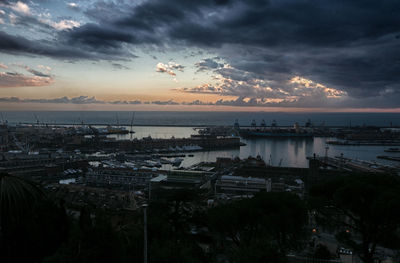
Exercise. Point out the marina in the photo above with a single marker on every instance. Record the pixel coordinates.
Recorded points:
(161, 140)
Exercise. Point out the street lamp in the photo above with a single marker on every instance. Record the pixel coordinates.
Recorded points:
(326, 156)
(145, 232)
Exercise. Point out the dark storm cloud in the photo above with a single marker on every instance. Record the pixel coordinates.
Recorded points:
(9, 43)
(264, 23)
(348, 45)
(105, 12)
(119, 66)
(284, 23)
(96, 37)
(353, 46)
(38, 73)
(30, 21)
(150, 15)
(208, 64)
(19, 45)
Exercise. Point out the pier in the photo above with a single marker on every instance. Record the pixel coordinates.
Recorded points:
(390, 158)
(347, 164)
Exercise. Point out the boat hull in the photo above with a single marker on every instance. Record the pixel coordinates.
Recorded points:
(266, 134)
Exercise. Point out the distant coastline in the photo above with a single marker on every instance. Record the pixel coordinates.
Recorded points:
(175, 125)
(199, 119)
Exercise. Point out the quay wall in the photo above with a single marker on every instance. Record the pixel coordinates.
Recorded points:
(144, 144)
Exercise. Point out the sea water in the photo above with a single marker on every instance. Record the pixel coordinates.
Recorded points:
(284, 152)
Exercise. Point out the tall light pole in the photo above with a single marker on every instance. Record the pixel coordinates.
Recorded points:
(145, 233)
(326, 156)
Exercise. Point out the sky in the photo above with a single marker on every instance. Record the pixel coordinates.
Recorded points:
(252, 55)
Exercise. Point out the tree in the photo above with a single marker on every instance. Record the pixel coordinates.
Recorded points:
(176, 209)
(90, 242)
(31, 225)
(322, 252)
(17, 198)
(364, 210)
(170, 218)
(261, 229)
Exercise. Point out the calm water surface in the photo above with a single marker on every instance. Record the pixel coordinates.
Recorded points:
(286, 152)
(192, 118)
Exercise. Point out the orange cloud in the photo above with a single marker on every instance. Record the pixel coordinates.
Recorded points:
(11, 80)
(169, 68)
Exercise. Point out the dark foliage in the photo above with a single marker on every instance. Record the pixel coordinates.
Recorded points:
(262, 229)
(322, 252)
(32, 226)
(363, 209)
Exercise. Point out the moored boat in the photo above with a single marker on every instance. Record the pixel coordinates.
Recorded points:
(273, 131)
(393, 150)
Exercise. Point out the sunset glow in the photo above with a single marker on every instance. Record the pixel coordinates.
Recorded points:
(117, 56)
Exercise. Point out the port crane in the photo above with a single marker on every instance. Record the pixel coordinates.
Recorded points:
(117, 119)
(132, 119)
(3, 119)
(20, 146)
(37, 119)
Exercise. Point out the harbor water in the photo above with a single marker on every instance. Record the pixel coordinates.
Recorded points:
(286, 152)
(290, 152)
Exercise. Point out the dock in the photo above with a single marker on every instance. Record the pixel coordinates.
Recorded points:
(347, 164)
(390, 158)
(365, 143)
